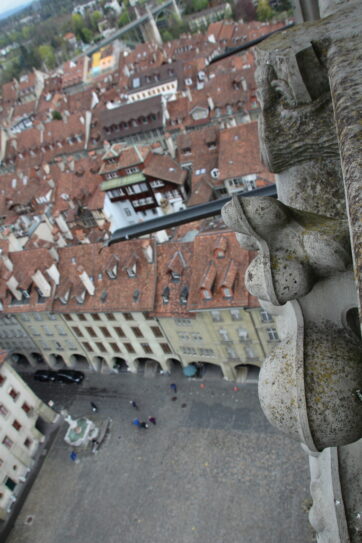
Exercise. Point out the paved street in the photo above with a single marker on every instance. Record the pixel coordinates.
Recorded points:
(211, 471)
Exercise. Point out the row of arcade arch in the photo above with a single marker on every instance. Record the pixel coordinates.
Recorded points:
(238, 372)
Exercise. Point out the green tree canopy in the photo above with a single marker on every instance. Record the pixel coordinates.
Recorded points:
(264, 12)
(47, 56)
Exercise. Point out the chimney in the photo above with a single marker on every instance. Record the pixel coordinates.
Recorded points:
(54, 254)
(8, 264)
(63, 227)
(46, 168)
(188, 94)
(170, 145)
(12, 285)
(41, 283)
(210, 101)
(148, 251)
(86, 280)
(53, 271)
(244, 84)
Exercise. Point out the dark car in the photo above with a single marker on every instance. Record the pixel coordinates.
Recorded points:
(45, 375)
(69, 376)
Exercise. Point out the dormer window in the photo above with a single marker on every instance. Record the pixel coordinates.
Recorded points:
(207, 295)
(175, 276)
(64, 299)
(227, 293)
(184, 295)
(112, 267)
(81, 297)
(166, 295)
(132, 271)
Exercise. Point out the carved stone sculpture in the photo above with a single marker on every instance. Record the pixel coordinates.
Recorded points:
(309, 253)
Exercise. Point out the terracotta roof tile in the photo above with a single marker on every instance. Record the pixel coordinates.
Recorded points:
(215, 274)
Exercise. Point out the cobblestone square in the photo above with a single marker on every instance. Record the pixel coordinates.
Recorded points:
(211, 471)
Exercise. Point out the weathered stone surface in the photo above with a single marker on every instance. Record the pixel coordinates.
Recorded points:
(296, 248)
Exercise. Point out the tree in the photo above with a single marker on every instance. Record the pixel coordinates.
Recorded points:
(77, 23)
(264, 11)
(124, 18)
(244, 9)
(193, 6)
(47, 56)
(56, 115)
(86, 35)
(95, 17)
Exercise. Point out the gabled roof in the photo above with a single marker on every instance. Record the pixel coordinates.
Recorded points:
(165, 168)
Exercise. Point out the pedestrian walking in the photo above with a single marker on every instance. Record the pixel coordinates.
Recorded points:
(136, 422)
(94, 407)
(133, 403)
(143, 425)
(74, 457)
(173, 387)
(152, 419)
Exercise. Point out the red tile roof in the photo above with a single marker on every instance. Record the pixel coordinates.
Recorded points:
(214, 274)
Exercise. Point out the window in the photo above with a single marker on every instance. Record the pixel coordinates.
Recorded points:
(95, 317)
(105, 331)
(166, 349)
(243, 334)
(129, 348)
(17, 425)
(87, 347)
(223, 334)
(231, 352)
(47, 331)
(146, 348)
(250, 352)
(235, 314)
(77, 331)
(7, 442)
(119, 331)
(189, 350)
(26, 407)
(115, 348)
(27, 443)
(3, 411)
(110, 317)
(196, 336)
(101, 347)
(183, 322)
(90, 331)
(265, 316)
(216, 316)
(128, 316)
(156, 331)
(272, 334)
(137, 332)
(206, 352)
(13, 394)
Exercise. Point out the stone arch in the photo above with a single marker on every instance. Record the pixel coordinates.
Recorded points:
(210, 370)
(38, 359)
(246, 372)
(100, 364)
(80, 362)
(119, 364)
(56, 361)
(21, 360)
(174, 366)
(147, 366)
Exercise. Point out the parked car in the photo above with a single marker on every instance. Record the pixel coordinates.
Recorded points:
(69, 376)
(45, 375)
